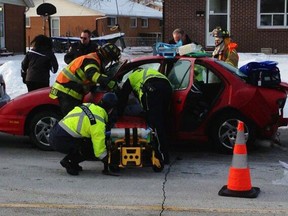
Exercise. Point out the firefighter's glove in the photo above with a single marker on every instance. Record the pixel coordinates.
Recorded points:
(111, 84)
(105, 81)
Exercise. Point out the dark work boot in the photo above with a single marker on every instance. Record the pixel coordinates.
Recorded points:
(64, 162)
(71, 169)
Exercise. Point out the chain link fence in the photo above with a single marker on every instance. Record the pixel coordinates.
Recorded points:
(61, 46)
(140, 41)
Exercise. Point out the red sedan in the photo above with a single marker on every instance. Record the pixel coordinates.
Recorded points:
(209, 97)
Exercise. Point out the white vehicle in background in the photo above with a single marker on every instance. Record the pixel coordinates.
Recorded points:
(4, 97)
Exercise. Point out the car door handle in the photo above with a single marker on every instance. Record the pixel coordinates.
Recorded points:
(179, 101)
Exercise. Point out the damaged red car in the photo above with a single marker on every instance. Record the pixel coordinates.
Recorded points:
(209, 97)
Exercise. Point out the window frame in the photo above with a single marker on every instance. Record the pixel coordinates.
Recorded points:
(135, 22)
(109, 19)
(284, 13)
(147, 23)
(27, 22)
(53, 28)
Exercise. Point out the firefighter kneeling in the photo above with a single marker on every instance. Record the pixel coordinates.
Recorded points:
(81, 134)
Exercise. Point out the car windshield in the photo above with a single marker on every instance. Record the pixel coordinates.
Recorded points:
(232, 69)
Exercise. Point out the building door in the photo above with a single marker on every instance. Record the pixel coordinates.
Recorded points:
(218, 14)
(2, 30)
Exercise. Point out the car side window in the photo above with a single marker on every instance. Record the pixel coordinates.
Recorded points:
(179, 75)
(202, 73)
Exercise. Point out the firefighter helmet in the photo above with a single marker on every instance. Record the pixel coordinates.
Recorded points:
(111, 51)
(221, 33)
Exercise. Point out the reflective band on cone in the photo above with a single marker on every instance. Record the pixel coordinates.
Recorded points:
(239, 181)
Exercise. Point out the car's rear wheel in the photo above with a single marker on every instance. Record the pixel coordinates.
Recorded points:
(40, 127)
(224, 132)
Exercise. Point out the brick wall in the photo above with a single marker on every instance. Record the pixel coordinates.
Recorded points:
(182, 13)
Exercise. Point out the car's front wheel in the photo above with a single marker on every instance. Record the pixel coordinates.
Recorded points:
(224, 132)
(40, 127)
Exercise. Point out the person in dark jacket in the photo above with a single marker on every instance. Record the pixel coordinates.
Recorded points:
(83, 47)
(180, 38)
(38, 62)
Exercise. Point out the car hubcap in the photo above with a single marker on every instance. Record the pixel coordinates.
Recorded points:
(228, 131)
(43, 128)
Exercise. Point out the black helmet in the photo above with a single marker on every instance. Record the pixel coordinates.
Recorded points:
(221, 33)
(108, 101)
(111, 51)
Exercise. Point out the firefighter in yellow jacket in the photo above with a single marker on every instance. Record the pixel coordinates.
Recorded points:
(153, 91)
(225, 49)
(81, 134)
(82, 74)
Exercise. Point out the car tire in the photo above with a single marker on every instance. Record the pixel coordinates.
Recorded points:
(40, 127)
(224, 132)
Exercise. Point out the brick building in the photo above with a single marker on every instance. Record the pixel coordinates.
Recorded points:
(73, 16)
(254, 24)
(12, 24)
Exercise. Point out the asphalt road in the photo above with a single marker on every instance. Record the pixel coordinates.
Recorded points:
(32, 182)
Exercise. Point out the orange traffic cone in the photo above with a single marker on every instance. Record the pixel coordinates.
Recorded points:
(239, 181)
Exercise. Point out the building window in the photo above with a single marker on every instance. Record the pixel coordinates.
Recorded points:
(133, 22)
(55, 27)
(144, 23)
(111, 21)
(27, 22)
(272, 13)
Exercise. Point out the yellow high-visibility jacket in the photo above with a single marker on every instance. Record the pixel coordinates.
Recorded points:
(78, 125)
(140, 76)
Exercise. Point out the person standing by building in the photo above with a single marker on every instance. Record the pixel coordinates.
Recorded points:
(83, 47)
(82, 74)
(38, 62)
(154, 92)
(81, 134)
(180, 38)
(225, 49)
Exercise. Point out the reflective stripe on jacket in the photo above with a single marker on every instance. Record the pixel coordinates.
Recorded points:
(79, 73)
(78, 125)
(138, 78)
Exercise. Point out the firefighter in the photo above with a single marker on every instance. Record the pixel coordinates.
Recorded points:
(82, 74)
(225, 49)
(81, 134)
(153, 91)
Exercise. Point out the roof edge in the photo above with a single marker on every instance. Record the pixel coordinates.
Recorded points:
(29, 3)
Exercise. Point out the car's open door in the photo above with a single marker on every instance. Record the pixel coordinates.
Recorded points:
(181, 79)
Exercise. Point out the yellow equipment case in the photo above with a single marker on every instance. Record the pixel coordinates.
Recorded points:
(132, 144)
